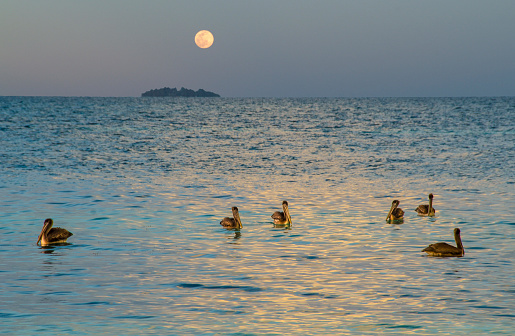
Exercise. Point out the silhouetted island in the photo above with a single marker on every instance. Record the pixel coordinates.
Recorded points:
(183, 92)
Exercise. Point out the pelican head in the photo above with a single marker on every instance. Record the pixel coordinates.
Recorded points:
(457, 238)
(430, 209)
(395, 212)
(287, 212)
(47, 226)
(236, 215)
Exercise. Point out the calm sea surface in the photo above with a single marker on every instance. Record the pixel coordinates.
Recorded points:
(143, 184)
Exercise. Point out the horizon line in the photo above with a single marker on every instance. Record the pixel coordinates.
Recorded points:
(277, 97)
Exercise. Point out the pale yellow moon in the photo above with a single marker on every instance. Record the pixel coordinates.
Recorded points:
(204, 39)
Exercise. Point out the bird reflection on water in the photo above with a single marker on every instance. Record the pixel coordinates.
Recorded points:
(51, 249)
(233, 238)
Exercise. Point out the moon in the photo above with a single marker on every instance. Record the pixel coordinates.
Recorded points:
(204, 39)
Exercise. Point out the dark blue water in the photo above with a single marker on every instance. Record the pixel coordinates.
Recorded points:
(143, 184)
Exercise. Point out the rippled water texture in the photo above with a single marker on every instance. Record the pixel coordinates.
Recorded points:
(144, 183)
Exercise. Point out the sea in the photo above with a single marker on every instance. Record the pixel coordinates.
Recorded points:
(142, 183)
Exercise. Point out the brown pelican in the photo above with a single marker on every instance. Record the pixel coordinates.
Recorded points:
(232, 223)
(423, 209)
(50, 235)
(446, 250)
(395, 213)
(282, 217)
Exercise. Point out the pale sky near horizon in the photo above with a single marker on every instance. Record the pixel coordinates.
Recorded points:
(294, 48)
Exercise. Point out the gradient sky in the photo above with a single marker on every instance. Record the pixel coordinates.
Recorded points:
(324, 48)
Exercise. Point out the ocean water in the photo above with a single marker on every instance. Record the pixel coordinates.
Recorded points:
(144, 182)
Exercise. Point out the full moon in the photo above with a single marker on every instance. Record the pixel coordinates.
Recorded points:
(204, 39)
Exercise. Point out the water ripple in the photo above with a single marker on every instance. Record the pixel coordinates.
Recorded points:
(144, 183)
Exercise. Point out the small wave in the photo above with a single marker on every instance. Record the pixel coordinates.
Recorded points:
(137, 317)
(243, 288)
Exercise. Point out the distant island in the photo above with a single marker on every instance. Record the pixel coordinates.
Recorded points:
(183, 92)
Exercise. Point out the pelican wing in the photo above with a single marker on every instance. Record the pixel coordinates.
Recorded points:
(442, 250)
(279, 215)
(398, 213)
(228, 222)
(58, 234)
(423, 209)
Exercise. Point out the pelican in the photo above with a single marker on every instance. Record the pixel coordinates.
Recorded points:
(232, 223)
(446, 250)
(423, 209)
(395, 213)
(51, 235)
(282, 217)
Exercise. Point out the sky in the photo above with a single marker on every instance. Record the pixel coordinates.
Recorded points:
(279, 48)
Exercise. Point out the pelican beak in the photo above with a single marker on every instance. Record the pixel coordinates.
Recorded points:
(40, 236)
(236, 215)
(391, 210)
(430, 209)
(46, 227)
(287, 212)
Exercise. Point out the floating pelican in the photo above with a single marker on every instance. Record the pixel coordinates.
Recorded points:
(282, 217)
(232, 223)
(395, 213)
(446, 250)
(50, 235)
(423, 209)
